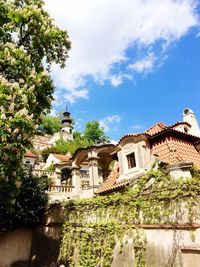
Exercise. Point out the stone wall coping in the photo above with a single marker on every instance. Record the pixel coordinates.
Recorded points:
(180, 165)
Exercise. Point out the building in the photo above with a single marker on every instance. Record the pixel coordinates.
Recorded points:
(104, 168)
(30, 158)
(177, 145)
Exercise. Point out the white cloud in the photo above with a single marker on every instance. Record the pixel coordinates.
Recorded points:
(101, 31)
(116, 80)
(143, 65)
(110, 121)
(72, 95)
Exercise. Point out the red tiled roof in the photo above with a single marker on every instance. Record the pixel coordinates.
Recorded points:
(30, 154)
(61, 157)
(130, 135)
(173, 150)
(158, 127)
(110, 184)
(110, 181)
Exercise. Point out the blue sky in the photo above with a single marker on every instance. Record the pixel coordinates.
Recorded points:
(133, 63)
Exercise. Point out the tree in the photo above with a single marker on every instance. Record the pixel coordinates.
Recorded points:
(51, 124)
(28, 38)
(29, 205)
(62, 147)
(94, 133)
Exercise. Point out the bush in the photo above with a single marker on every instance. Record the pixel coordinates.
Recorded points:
(28, 207)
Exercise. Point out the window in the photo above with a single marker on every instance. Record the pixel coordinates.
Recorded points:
(131, 160)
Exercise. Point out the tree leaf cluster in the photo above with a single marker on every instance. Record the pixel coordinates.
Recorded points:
(94, 133)
(29, 43)
(27, 205)
(50, 125)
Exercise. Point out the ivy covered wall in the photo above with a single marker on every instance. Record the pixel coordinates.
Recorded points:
(150, 223)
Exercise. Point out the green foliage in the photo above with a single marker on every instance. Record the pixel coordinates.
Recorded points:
(63, 147)
(78, 142)
(28, 38)
(90, 245)
(155, 198)
(50, 168)
(50, 124)
(28, 207)
(94, 133)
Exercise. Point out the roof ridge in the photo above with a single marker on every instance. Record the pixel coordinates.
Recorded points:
(158, 123)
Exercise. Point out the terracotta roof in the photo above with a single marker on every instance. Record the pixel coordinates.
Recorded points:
(173, 150)
(130, 135)
(61, 157)
(30, 154)
(158, 127)
(110, 184)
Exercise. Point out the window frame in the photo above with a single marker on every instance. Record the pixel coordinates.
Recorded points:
(131, 160)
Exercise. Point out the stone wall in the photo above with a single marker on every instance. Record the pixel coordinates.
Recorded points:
(167, 245)
(165, 248)
(15, 246)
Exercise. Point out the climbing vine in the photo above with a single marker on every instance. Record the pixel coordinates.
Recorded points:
(94, 226)
(92, 245)
(89, 245)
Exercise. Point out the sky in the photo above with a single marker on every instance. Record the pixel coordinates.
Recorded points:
(133, 62)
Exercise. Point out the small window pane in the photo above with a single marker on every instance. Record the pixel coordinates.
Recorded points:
(131, 160)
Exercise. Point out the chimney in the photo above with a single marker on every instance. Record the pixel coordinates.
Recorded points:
(188, 116)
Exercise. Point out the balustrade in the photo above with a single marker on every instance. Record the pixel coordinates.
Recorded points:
(60, 189)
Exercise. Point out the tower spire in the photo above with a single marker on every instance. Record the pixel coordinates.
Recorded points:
(67, 126)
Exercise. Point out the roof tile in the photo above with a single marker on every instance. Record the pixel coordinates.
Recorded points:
(61, 157)
(30, 154)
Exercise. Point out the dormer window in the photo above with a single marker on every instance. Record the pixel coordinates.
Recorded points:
(131, 160)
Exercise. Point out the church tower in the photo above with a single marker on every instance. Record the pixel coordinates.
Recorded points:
(66, 131)
(189, 116)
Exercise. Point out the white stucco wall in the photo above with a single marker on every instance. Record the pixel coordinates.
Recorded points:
(50, 160)
(142, 151)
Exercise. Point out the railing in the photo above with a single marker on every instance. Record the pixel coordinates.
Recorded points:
(60, 192)
(60, 189)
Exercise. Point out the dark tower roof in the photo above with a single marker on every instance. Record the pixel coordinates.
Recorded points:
(66, 117)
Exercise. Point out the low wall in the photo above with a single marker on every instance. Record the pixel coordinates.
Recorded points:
(15, 246)
(167, 245)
